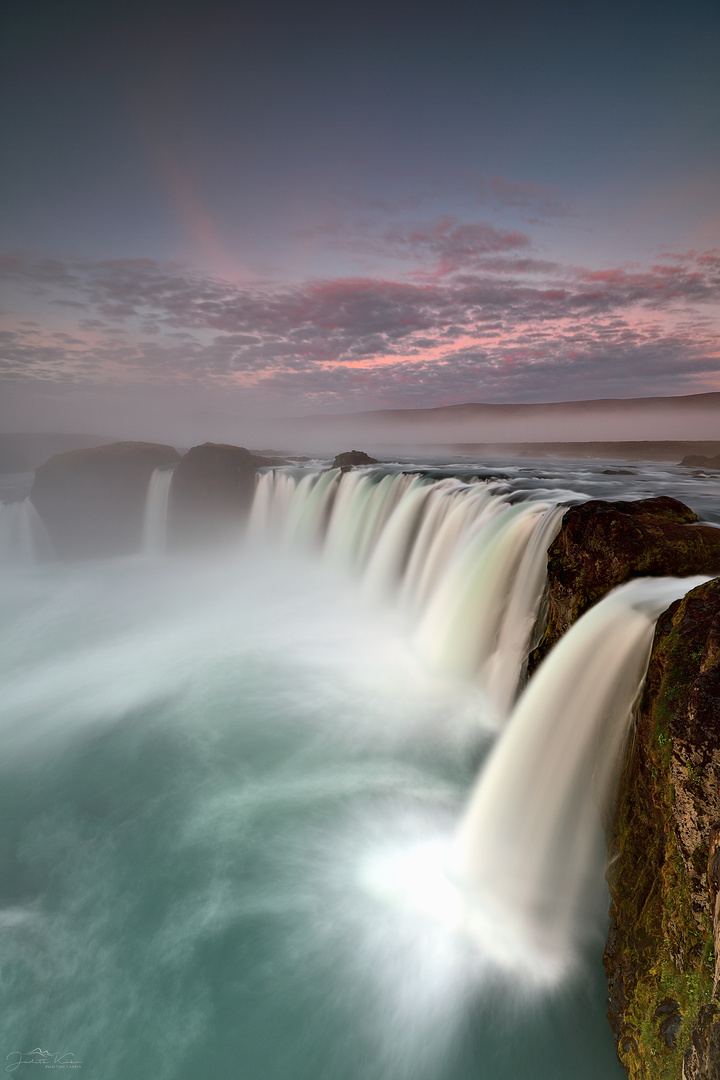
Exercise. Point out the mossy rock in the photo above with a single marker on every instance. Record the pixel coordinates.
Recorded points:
(602, 544)
(660, 950)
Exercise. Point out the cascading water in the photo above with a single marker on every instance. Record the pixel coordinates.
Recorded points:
(156, 512)
(23, 537)
(525, 853)
(233, 791)
(466, 565)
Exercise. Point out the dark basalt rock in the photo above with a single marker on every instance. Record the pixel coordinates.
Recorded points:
(670, 1022)
(664, 856)
(212, 491)
(92, 501)
(602, 544)
(702, 1057)
(350, 458)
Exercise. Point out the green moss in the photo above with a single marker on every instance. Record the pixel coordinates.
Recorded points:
(694, 778)
(663, 950)
(671, 957)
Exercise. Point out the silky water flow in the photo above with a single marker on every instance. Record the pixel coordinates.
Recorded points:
(280, 813)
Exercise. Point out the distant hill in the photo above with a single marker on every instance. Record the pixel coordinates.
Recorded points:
(654, 419)
(477, 409)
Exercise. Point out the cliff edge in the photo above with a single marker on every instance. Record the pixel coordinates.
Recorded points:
(664, 850)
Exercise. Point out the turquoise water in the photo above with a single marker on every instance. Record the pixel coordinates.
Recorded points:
(207, 770)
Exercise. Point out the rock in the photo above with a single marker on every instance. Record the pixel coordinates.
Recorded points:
(702, 1057)
(601, 544)
(664, 856)
(351, 458)
(699, 461)
(670, 1021)
(92, 501)
(212, 491)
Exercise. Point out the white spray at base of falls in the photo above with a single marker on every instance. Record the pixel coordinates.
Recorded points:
(155, 518)
(524, 856)
(23, 536)
(466, 565)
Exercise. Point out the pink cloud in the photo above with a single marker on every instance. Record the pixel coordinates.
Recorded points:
(458, 334)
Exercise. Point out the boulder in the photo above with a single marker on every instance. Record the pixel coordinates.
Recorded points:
(92, 501)
(664, 856)
(602, 544)
(350, 458)
(211, 495)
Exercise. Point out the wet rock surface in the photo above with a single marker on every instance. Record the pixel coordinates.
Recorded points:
(602, 544)
(702, 1057)
(92, 501)
(350, 458)
(664, 844)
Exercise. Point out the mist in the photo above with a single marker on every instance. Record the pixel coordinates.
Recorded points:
(184, 416)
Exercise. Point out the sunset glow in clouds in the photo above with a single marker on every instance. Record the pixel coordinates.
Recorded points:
(290, 209)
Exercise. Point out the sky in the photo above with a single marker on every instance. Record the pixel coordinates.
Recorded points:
(248, 209)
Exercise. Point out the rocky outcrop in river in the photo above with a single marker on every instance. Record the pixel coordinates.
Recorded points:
(350, 458)
(701, 461)
(211, 494)
(602, 544)
(92, 501)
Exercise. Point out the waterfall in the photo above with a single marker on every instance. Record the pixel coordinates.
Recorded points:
(466, 566)
(23, 536)
(156, 512)
(525, 852)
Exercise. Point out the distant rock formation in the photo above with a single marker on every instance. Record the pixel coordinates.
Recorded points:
(700, 461)
(92, 501)
(601, 544)
(211, 495)
(664, 857)
(350, 458)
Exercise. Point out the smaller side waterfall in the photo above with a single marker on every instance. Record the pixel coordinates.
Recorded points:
(526, 850)
(156, 512)
(23, 536)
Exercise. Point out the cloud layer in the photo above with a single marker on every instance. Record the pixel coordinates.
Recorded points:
(471, 314)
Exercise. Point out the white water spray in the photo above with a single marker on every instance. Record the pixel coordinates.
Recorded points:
(466, 566)
(23, 536)
(526, 849)
(156, 512)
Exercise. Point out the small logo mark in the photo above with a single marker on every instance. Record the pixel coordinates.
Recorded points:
(41, 1057)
